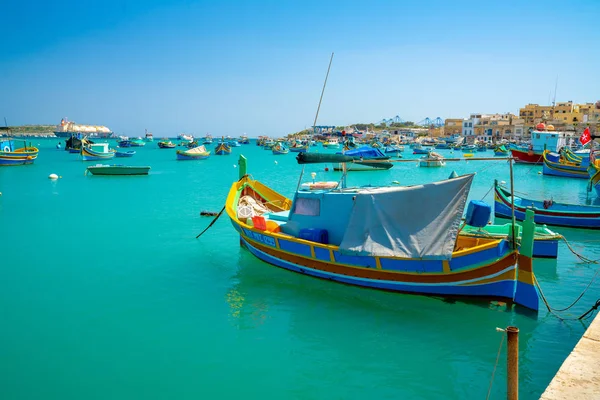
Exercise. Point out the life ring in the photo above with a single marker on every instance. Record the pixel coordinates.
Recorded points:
(6, 149)
(530, 153)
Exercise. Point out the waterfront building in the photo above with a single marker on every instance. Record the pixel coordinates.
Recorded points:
(453, 126)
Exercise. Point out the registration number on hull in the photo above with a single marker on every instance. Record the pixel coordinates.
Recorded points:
(269, 241)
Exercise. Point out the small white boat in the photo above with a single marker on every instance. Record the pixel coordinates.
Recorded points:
(432, 160)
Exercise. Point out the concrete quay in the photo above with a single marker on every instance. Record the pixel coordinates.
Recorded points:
(579, 375)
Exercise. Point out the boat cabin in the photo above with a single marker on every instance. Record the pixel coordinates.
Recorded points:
(549, 140)
(99, 147)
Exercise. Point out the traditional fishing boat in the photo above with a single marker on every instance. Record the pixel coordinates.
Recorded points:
(364, 158)
(124, 143)
(393, 149)
(298, 147)
(12, 154)
(331, 143)
(166, 144)
(545, 241)
(360, 236)
(148, 136)
(279, 149)
(468, 148)
(129, 153)
(594, 173)
(543, 138)
(546, 211)
(501, 151)
(101, 169)
(244, 139)
(208, 139)
(223, 149)
(74, 142)
(268, 144)
(137, 142)
(96, 151)
(197, 153)
(419, 149)
(432, 159)
(557, 165)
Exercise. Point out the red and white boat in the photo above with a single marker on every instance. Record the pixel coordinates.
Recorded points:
(543, 138)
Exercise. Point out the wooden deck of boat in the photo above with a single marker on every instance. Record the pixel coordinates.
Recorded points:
(579, 375)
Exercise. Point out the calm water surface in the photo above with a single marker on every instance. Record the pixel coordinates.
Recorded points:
(106, 293)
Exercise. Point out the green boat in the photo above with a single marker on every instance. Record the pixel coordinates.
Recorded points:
(101, 169)
(545, 241)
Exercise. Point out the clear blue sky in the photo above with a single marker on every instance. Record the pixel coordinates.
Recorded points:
(258, 67)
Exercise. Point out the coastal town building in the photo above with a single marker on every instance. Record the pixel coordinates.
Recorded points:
(453, 126)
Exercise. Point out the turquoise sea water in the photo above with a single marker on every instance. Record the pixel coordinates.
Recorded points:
(106, 293)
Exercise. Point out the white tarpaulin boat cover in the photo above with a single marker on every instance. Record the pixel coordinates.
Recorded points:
(411, 222)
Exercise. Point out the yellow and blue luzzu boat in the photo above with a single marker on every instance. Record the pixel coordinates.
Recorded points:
(556, 165)
(10, 154)
(360, 236)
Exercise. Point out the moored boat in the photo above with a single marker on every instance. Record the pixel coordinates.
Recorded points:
(432, 159)
(223, 149)
(137, 142)
(543, 138)
(129, 153)
(197, 153)
(501, 151)
(96, 151)
(325, 234)
(279, 149)
(101, 169)
(148, 137)
(546, 211)
(166, 144)
(545, 241)
(557, 165)
(364, 158)
(12, 154)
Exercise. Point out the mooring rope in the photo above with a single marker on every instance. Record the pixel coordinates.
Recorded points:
(495, 365)
(581, 257)
(555, 311)
(213, 221)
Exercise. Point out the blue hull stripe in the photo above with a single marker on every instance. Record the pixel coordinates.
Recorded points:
(504, 289)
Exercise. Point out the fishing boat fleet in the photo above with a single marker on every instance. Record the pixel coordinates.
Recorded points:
(449, 248)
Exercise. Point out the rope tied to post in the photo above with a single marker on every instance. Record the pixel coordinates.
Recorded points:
(496, 364)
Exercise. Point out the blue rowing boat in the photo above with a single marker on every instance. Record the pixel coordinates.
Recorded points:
(546, 211)
(129, 153)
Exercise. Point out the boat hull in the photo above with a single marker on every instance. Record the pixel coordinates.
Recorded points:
(222, 150)
(182, 156)
(503, 286)
(545, 242)
(9, 156)
(434, 163)
(572, 219)
(564, 170)
(12, 161)
(527, 157)
(125, 153)
(118, 170)
(90, 155)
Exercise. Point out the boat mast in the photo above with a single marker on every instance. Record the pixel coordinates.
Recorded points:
(317, 114)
